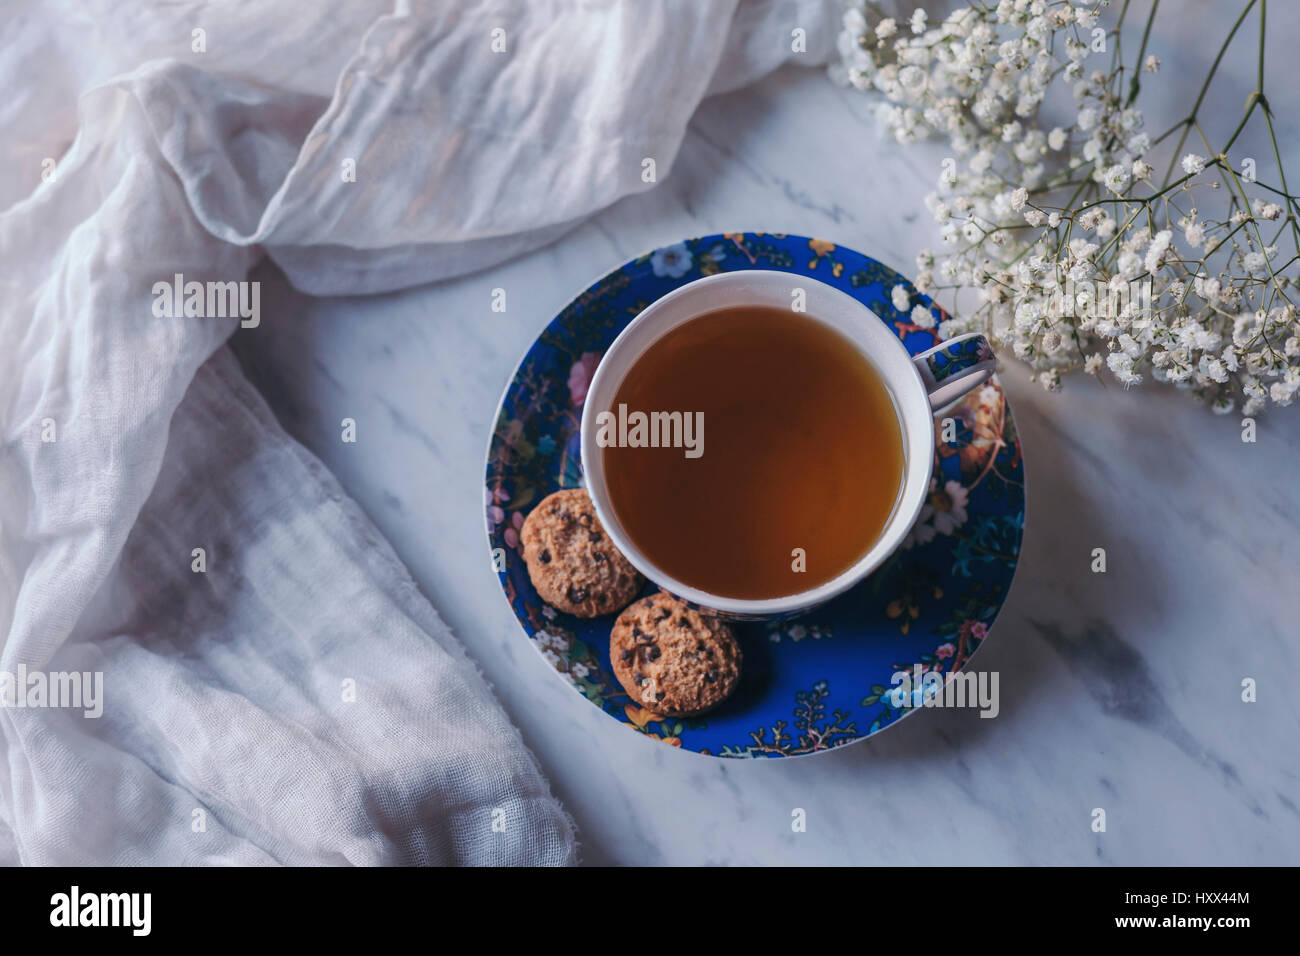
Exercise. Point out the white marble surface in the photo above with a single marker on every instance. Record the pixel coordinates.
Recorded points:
(1119, 690)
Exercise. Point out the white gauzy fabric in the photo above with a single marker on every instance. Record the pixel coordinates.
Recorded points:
(140, 141)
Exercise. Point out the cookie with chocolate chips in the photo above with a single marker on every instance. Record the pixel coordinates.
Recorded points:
(672, 659)
(571, 561)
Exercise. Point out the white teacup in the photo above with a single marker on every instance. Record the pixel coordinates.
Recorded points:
(921, 386)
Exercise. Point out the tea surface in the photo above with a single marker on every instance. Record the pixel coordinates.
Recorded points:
(801, 448)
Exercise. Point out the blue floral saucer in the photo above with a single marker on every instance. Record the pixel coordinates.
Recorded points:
(822, 680)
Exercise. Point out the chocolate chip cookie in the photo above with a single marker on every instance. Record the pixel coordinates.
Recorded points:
(672, 659)
(571, 561)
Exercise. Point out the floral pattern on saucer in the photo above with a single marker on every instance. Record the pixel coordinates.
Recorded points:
(958, 356)
(821, 680)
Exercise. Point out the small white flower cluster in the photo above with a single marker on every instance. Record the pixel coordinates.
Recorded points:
(1079, 256)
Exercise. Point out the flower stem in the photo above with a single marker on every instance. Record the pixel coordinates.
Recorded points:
(1136, 85)
(1200, 97)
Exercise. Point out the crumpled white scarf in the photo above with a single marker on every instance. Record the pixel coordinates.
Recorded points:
(296, 700)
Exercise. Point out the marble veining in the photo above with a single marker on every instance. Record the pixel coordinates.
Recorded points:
(1118, 690)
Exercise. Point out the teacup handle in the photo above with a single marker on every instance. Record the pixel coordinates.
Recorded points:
(953, 368)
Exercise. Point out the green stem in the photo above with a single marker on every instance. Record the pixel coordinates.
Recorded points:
(1136, 85)
(1200, 97)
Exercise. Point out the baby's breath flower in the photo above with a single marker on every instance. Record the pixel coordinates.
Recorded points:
(1155, 252)
(901, 300)
(1121, 364)
(1121, 279)
(1213, 369)
(1116, 179)
(1265, 210)
(1207, 289)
